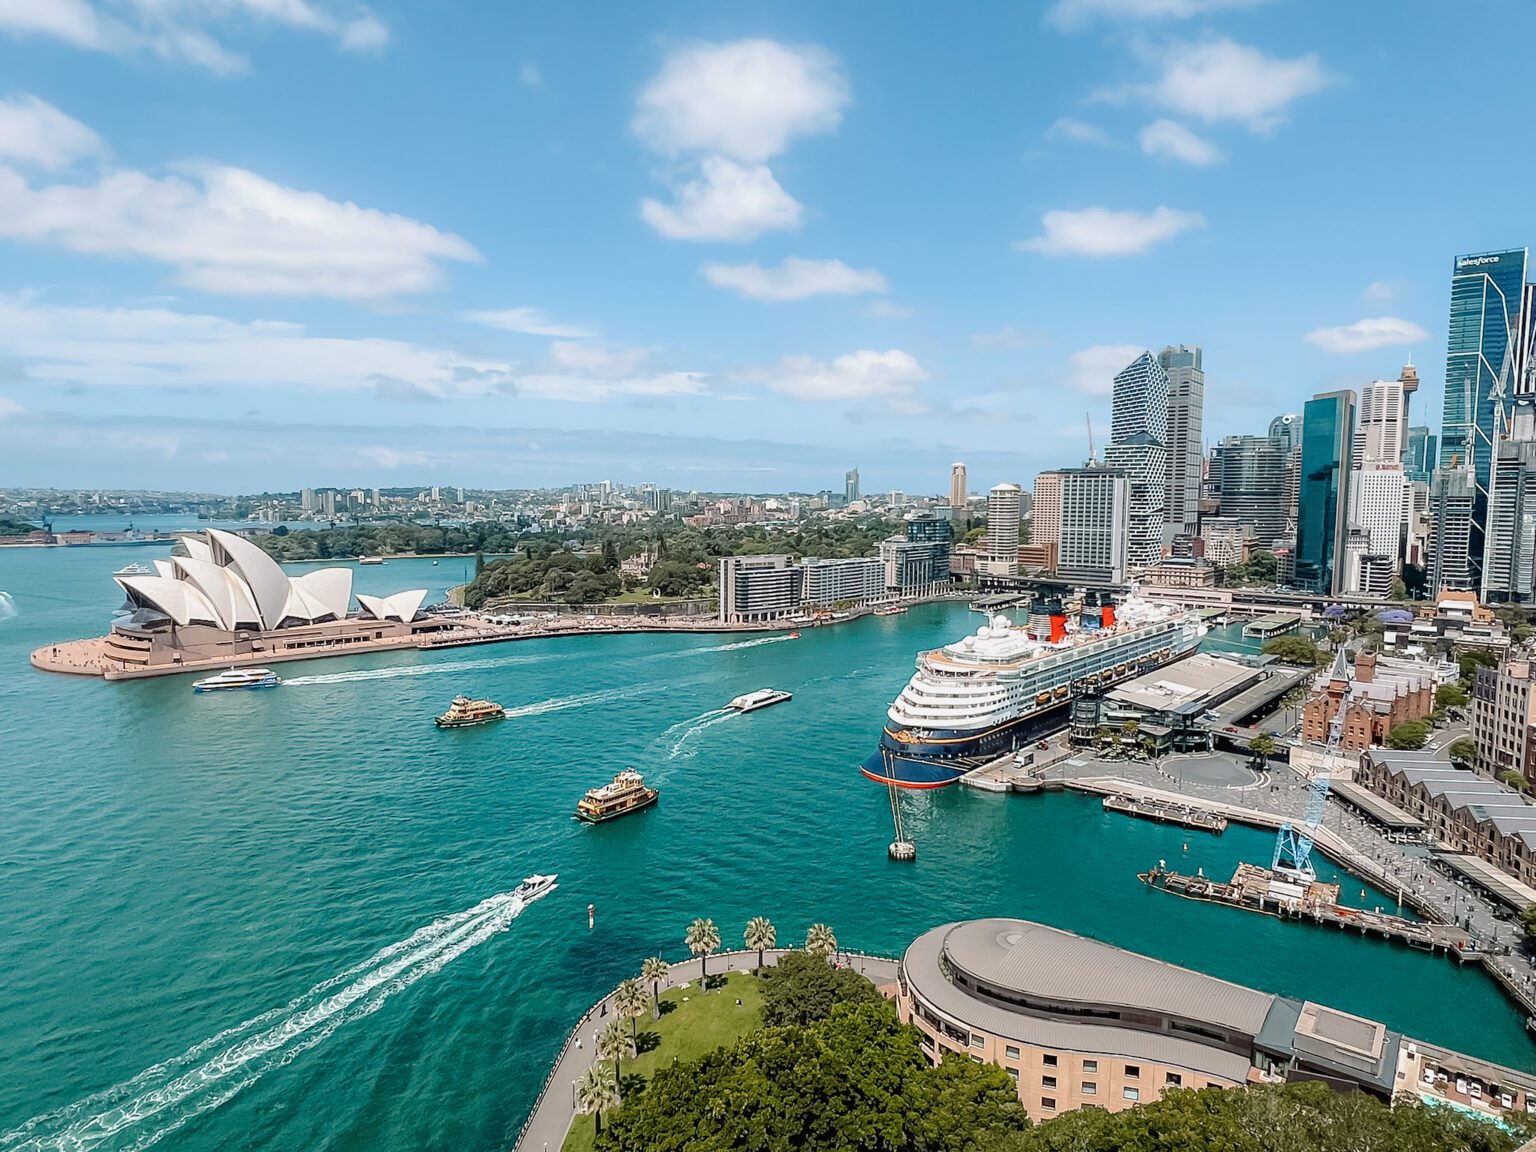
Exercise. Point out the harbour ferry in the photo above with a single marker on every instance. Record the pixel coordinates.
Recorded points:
(762, 698)
(464, 713)
(986, 694)
(135, 569)
(238, 678)
(625, 794)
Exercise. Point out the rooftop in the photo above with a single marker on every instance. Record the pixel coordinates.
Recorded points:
(1185, 686)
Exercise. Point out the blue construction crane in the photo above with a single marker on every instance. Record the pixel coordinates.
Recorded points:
(1293, 846)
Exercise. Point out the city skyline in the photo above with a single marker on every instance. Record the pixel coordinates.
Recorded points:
(469, 261)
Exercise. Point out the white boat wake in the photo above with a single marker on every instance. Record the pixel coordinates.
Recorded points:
(738, 644)
(678, 736)
(361, 674)
(139, 1112)
(7, 606)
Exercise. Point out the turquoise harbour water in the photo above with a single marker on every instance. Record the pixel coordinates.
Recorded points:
(175, 866)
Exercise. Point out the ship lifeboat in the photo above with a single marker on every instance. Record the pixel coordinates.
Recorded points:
(1119, 669)
(1106, 675)
(1061, 692)
(1043, 698)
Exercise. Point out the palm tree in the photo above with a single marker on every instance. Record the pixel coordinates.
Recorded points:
(655, 970)
(760, 935)
(702, 939)
(820, 941)
(630, 999)
(596, 1092)
(613, 1044)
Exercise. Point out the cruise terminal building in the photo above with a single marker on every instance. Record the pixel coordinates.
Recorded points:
(1076, 1022)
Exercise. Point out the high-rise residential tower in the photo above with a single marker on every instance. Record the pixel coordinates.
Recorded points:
(1327, 442)
(1138, 435)
(1186, 430)
(959, 495)
(1482, 363)
(851, 485)
(1045, 514)
(1003, 530)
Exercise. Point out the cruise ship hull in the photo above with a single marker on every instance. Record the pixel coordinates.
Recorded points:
(942, 757)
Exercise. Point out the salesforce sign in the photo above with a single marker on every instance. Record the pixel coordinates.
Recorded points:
(1474, 263)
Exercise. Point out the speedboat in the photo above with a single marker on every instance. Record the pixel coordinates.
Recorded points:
(534, 887)
(238, 678)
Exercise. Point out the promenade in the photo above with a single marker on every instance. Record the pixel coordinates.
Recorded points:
(555, 1109)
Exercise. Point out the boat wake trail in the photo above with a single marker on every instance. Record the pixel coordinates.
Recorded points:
(560, 703)
(677, 737)
(7, 606)
(410, 670)
(139, 1112)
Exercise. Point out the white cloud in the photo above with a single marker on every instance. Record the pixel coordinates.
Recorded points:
(137, 347)
(529, 76)
(1070, 15)
(608, 363)
(1104, 232)
(185, 31)
(862, 375)
(746, 99)
(1093, 369)
(1367, 335)
(729, 202)
(1172, 141)
(9, 408)
(1081, 131)
(1380, 290)
(231, 231)
(888, 310)
(528, 322)
(795, 279)
(1009, 338)
(34, 132)
(1220, 80)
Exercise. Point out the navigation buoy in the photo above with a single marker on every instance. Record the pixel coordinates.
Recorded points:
(903, 850)
(591, 915)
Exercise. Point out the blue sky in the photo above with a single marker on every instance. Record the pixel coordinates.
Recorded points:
(273, 243)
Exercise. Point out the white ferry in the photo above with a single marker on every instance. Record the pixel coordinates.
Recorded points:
(238, 678)
(762, 698)
(986, 694)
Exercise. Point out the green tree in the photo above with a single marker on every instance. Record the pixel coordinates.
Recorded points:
(597, 1090)
(1262, 747)
(1528, 922)
(1409, 735)
(1293, 650)
(613, 1043)
(759, 935)
(802, 989)
(702, 938)
(1463, 751)
(1450, 696)
(654, 970)
(1470, 662)
(820, 941)
(631, 1002)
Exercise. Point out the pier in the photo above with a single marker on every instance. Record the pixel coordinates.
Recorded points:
(1268, 627)
(1260, 890)
(1184, 815)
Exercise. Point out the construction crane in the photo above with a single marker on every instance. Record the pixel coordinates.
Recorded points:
(1293, 846)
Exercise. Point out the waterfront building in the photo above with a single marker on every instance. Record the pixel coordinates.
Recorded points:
(1481, 360)
(1138, 435)
(1419, 456)
(854, 580)
(1168, 705)
(1377, 693)
(851, 485)
(1078, 1023)
(1045, 518)
(1465, 813)
(1093, 540)
(1003, 525)
(1380, 433)
(757, 588)
(917, 563)
(1327, 440)
(1509, 566)
(1502, 712)
(1248, 473)
(1186, 431)
(1452, 502)
(959, 494)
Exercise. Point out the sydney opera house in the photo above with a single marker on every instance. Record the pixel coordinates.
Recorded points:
(220, 599)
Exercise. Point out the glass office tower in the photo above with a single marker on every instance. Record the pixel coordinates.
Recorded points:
(1327, 440)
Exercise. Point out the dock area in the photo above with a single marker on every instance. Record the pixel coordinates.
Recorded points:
(1163, 812)
(1268, 627)
(1260, 890)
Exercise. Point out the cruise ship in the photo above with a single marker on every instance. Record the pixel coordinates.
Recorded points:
(990, 692)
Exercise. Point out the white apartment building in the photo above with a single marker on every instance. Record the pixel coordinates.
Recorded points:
(858, 579)
(1095, 524)
(1378, 506)
(1002, 557)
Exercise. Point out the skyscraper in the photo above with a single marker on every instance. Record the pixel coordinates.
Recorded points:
(1327, 441)
(1409, 379)
(1045, 517)
(1249, 472)
(1378, 508)
(1095, 524)
(1138, 434)
(1481, 372)
(959, 495)
(1419, 458)
(1379, 435)
(1509, 571)
(851, 485)
(1186, 430)
(1451, 497)
(1003, 530)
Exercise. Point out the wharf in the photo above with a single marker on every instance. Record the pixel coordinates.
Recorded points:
(1007, 774)
(1184, 815)
(1260, 890)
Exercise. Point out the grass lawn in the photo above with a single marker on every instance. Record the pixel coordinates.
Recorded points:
(687, 1030)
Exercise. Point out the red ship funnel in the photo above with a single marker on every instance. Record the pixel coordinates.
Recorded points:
(1058, 620)
(1107, 612)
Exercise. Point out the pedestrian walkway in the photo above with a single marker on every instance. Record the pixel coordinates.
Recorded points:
(555, 1109)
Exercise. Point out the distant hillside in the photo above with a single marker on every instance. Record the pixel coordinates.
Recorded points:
(16, 527)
